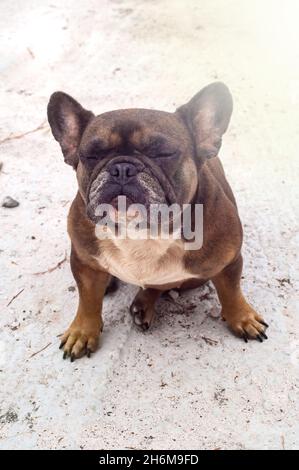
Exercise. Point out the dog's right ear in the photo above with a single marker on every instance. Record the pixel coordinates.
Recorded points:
(68, 120)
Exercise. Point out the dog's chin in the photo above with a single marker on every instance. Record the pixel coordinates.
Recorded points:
(116, 217)
(117, 208)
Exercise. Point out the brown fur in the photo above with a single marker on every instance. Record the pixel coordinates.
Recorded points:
(193, 173)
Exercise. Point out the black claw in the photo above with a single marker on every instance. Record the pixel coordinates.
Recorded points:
(73, 357)
(264, 335)
(245, 337)
(259, 338)
(145, 326)
(62, 344)
(88, 352)
(64, 355)
(264, 323)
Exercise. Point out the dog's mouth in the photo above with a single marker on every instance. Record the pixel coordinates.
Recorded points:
(124, 207)
(120, 211)
(106, 195)
(113, 198)
(116, 202)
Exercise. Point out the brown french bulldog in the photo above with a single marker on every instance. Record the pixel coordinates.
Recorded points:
(151, 157)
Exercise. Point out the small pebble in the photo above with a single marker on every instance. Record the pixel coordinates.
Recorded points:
(9, 202)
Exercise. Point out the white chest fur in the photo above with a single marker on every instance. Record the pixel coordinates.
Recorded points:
(144, 262)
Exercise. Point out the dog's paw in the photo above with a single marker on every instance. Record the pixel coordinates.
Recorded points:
(142, 314)
(80, 339)
(246, 323)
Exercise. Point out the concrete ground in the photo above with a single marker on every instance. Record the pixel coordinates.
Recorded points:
(188, 383)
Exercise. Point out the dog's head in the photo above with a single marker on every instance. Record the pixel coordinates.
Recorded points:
(149, 156)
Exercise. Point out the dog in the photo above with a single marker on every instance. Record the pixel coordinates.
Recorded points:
(149, 157)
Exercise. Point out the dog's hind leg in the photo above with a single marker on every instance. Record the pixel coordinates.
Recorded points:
(143, 307)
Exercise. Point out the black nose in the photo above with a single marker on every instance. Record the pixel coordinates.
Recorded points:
(123, 172)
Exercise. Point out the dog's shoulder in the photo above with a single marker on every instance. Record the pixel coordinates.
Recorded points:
(215, 169)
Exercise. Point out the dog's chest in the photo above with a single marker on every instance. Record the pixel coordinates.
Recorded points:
(144, 262)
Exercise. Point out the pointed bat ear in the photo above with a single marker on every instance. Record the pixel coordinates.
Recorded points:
(207, 116)
(68, 120)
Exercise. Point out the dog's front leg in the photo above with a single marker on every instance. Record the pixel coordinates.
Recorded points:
(240, 316)
(83, 334)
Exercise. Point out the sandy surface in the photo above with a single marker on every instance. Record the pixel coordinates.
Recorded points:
(188, 383)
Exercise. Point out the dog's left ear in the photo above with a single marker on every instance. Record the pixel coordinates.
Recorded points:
(207, 116)
(68, 120)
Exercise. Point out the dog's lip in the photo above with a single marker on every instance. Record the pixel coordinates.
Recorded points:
(130, 212)
(117, 215)
(114, 201)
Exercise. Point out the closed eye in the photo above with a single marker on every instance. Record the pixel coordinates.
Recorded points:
(96, 154)
(166, 154)
(163, 154)
(96, 150)
(158, 146)
(160, 153)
